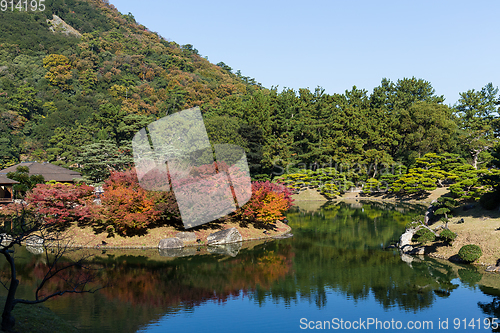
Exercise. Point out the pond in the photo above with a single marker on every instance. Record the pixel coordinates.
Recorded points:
(334, 273)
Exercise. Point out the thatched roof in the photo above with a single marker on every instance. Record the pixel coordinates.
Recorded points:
(47, 170)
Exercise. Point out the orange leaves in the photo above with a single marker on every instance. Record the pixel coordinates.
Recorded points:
(125, 205)
(268, 203)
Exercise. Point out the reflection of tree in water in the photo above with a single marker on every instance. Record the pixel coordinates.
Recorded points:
(339, 249)
(491, 309)
(145, 289)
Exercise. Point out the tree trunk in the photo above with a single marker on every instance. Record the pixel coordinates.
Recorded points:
(8, 320)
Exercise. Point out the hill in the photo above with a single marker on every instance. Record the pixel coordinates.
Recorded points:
(111, 76)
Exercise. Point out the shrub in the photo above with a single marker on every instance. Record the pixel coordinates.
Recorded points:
(470, 252)
(448, 236)
(424, 236)
(268, 202)
(125, 205)
(59, 203)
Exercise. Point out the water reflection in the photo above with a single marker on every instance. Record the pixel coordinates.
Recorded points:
(336, 257)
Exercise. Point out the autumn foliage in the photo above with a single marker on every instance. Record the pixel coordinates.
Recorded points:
(125, 207)
(268, 203)
(60, 203)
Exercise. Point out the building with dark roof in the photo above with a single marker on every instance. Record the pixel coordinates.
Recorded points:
(47, 170)
(6, 191)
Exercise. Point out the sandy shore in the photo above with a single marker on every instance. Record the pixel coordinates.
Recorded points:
(86, 237)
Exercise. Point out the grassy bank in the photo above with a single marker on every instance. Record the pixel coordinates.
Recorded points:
(38, 319)
(480, 227)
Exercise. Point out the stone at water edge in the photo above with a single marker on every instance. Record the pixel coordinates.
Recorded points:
(224, 236)
(170, 243)
(186, 236)
(34, 240)
(405, 238)
(493, 269)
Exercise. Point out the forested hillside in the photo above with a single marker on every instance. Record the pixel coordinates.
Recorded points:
(78, 101)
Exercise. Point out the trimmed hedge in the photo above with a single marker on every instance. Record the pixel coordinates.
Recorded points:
(470, 252)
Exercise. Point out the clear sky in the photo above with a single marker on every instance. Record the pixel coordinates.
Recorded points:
(337, 44)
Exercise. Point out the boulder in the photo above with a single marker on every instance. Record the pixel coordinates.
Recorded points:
(224, 237)
(231, 249)
(186, 236)
(406, 237)
(5, 239)
(493, 269)
(35, 249)
(170, 243)
(34, 241)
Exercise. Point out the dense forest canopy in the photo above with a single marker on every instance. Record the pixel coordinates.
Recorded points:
(64, 97)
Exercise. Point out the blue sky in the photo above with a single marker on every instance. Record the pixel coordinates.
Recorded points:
(337, 44)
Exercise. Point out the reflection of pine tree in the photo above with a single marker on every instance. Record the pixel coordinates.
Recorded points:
(492, 310)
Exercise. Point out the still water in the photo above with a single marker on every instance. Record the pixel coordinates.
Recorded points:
(334, 273)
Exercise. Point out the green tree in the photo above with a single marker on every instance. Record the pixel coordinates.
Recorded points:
(476, 111)
(25, 102)
(444, 206)
(26, 182)
(97, 160)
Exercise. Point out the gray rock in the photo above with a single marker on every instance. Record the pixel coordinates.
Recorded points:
(231, 249)
(186, 236)
(5, 239)
(170, 243)
(493, 269)
(406, 237)
(178, 252)
(224, 237)
(34, 241)
(406, 249)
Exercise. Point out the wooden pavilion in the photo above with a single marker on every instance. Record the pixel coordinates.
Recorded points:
(47, 170)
